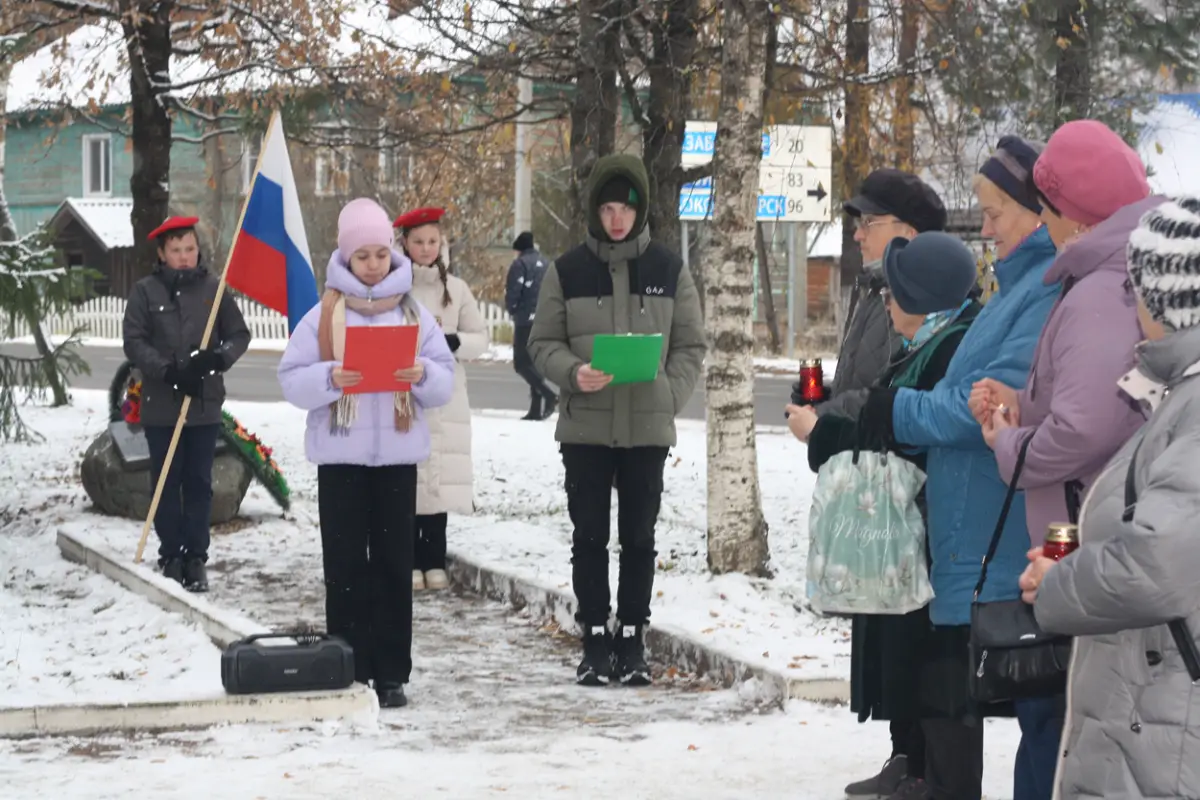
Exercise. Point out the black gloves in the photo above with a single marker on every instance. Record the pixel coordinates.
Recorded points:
(189, 379)
(453, 341)
(875, 422)
(182, 382)
(204, 363)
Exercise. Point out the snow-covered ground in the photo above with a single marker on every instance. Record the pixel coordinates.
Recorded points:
(806, 753)
(68, 635)
(493, 706)
(522, 526)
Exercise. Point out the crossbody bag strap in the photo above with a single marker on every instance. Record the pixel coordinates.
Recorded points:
(1130, 489)
(1073, 491)
(1008, 501)
(1189, 651)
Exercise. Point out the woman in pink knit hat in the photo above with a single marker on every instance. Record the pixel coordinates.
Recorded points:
(367, 445)
(1071, 416)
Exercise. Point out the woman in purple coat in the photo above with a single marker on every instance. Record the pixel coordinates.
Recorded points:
(367, 446)
(1092, 189)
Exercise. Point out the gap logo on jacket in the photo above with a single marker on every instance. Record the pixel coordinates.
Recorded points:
(963, 485)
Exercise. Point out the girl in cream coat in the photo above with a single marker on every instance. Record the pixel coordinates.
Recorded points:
(445, 481)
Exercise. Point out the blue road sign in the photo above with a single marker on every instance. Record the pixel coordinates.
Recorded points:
(704, 143)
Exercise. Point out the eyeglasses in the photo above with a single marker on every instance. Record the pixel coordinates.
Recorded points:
(885, 294)
(863, 223)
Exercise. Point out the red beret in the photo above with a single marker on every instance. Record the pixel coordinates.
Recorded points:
(418, 217)
(173, 224)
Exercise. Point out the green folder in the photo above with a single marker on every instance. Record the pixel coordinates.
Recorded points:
(629, 357)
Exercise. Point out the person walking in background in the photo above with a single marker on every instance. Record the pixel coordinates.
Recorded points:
(366, 446)
(889, 203)
(617, 281)
(520, 298)
(928, 297)
(965, 492)
(1130, 595)
(1091, 191)
(164, 322)
(445, 483)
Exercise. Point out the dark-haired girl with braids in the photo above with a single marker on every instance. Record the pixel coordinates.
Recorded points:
(445, 481)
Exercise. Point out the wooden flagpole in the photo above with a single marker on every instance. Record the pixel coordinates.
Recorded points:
(208, 329)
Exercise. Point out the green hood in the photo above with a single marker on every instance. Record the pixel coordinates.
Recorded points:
(607, 168)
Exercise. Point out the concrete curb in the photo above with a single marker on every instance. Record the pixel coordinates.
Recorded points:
(86, 719)
(666, 644)
(222, 626)
(357, 704)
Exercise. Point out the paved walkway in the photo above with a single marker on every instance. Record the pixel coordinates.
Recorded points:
(491, 671)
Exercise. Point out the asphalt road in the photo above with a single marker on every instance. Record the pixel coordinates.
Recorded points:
(492, 385)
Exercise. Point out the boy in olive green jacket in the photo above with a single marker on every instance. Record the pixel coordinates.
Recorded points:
(618, 281)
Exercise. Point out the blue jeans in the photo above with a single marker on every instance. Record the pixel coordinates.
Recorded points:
(1041, 722)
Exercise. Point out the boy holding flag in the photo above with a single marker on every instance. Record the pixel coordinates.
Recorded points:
(165, 319)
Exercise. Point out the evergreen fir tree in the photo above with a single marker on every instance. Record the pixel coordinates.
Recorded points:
(33, 285)
(1031, 66)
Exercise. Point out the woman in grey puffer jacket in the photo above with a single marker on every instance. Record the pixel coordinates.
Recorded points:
(1131, 593)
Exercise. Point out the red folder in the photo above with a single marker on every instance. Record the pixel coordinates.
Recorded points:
(377, 351)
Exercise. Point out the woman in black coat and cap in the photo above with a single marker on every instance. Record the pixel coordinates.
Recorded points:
(930, 298)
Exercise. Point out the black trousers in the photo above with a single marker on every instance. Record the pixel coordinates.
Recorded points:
(429, 542)
(367, 551)
(185, 508)
(908, 739)
(954, 758)
(523, 364)
(592, 471)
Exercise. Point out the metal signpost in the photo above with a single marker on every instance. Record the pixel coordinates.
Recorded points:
(794, 182)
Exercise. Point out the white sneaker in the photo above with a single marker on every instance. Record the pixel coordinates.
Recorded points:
(437, 579)
(418, 580)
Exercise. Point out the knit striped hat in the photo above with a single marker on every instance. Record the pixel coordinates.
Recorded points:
(1164, 262)
(1010, 168)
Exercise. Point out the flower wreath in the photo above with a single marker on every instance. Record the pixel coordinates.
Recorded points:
(125, 403)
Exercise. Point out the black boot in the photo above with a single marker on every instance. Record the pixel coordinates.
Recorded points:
(195, 576)
(550, 407)
(535, 408)
(172, 568)
(885, 783)
(629, 656)
(596, 667)
(391, 695)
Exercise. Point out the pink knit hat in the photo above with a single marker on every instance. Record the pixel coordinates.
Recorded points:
(363, 223)
(1088, 172)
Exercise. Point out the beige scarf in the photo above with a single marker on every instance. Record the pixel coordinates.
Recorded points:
(331, 339)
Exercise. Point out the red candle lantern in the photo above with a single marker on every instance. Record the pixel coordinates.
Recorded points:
(1062, 539)
(812, 381)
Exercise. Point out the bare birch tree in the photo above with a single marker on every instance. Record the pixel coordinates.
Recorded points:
(737, 531)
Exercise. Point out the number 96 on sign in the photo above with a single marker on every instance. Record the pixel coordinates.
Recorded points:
(771, 207)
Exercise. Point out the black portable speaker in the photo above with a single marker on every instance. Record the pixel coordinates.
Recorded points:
(316, 661)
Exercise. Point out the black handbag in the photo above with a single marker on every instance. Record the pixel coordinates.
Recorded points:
(1011, 657)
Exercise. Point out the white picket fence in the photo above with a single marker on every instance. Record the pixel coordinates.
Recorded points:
(102, 316)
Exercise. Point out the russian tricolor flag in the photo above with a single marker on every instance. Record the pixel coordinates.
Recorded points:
(269, 261)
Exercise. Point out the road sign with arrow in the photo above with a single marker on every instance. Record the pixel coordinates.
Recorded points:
(796, 171)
